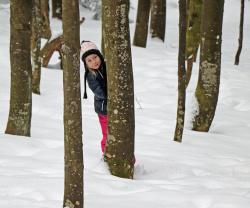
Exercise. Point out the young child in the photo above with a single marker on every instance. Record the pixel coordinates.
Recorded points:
(95, 74)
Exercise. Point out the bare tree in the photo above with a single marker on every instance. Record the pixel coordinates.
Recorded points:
(158, 19)
(57, 9)
(193, 35)
(181, 72)
(141, 29)
(19, 121)
(73, 152)
(237, 57)
(45, 27)
(207, 89)
(119, 152)
(36, 46)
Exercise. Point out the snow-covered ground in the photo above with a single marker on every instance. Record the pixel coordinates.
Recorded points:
(207, 170)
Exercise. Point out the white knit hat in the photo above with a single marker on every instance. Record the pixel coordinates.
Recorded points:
(87, 48)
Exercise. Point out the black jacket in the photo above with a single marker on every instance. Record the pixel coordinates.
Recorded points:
(98, 84)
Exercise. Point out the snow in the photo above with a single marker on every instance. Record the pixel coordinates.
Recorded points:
(207, 170)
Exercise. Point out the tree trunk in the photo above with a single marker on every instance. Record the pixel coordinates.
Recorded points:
(193, 35)
(119, 152)
(158, 19)
(57, 9)
(45, 27)
(181, 73)
(49, 48)
(73, 152)
(19, 121)
(207, 89)
(36, 46)
(237, 57)
(141, 29)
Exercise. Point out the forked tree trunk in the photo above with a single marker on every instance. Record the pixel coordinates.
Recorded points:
(36, 46)
(119, 152)
(158, 19)
(237, 57)
(73, 152)
(181, 72)
(207, 89)
(141, 29)
(19, 121)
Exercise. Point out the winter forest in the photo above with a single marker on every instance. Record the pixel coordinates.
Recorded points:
(178, 104)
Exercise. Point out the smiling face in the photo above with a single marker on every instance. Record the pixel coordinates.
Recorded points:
(93, 61)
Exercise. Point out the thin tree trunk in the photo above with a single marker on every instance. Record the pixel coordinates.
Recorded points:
(73, 152)
(193, 35)
(57, 9)
(237, 57)
(141, 29)
(36, 46)
(207, 89)
(45, 27)
(119, 152)
(102, 43)
(19, 121)
(181, 73)
(158, 19)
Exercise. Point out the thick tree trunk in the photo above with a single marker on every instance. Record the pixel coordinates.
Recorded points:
(119, 152)
(207, 89)
(19, 121)
(57, 9)
(141, 30)
(237, 57)
(36, 46)
(193, 35)
(73, 150)
(181, 73)
(45, 28)
(158, 19)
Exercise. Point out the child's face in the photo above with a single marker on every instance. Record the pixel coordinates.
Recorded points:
(93, 61)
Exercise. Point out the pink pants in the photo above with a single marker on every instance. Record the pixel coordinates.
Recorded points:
(103, 119)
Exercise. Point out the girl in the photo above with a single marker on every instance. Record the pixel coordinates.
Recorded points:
(95, 74)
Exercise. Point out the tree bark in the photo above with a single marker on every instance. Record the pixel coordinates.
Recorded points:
(45, 27)
(237, 57)
(19, 121)
(57, 9)
(36, 46)
(158, 19)
(193, 35)
(141, 29)
(119, 152)
(207, 89)
(49, 48)
(73, 152)
(181, 73)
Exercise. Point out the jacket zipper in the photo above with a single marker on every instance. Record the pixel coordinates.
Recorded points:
(100, 73)
(102, 105)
